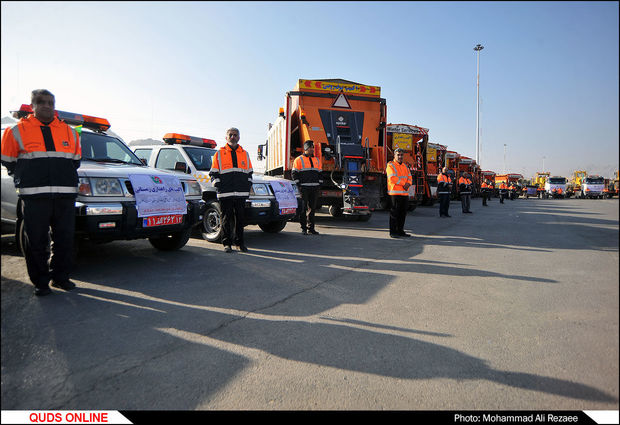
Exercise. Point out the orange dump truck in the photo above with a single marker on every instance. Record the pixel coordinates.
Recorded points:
(452, 163)
(414, 141)
(435, 159)
(346, 121)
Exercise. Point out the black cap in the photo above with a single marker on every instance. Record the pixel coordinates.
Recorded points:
(308, 144)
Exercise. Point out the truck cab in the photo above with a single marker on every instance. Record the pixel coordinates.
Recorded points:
(555, 187)
(189, 155)
(592, 187)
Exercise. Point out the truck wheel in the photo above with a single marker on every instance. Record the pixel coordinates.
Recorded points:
(211, 227)
(273, 226)
(335, 210)
(171, 242)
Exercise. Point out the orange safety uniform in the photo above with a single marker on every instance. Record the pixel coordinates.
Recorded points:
(397, 176)
(446, 180)
(42, 158)
(306, 171)
(465, 186)
(231, 172)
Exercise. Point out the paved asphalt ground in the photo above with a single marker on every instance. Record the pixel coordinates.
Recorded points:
(512, 307)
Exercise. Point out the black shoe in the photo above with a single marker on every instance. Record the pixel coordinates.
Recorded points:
(395, 236)
(447, 215)
(405, 235)
(312, 231)
(242, 248)
(67, 285)
(40, 292)
(468, 212)
(304, 232)
(227, 248)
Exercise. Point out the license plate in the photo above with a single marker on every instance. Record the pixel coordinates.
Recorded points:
(284, 211)
(162, 220)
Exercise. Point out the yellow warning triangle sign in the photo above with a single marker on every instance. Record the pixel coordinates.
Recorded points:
(341, 102)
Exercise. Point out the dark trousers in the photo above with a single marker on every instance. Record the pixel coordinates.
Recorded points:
(40, 215)
(309, 197)
(465, 201)
(444, 203)
(485, 196)
(502, 195)
(233, 210)
(398, 213)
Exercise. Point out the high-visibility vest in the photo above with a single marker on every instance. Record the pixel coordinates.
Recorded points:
(503, 186)
(42, 158)
(467, 189)
(397, 176)
(231, 172)
(443, 188)
(306, 171)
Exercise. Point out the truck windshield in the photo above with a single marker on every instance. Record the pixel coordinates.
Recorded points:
(105, 148)
(557, 180)
(201, 157)
(594, 180)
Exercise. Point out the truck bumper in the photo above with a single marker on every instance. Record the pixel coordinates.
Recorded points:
(119, 221)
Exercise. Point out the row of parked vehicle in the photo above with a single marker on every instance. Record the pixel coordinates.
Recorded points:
(106, 207)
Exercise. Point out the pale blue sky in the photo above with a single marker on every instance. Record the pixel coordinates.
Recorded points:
(548, 71)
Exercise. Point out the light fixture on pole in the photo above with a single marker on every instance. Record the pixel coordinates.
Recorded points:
(477, 49)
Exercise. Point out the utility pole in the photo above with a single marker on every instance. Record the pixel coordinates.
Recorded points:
(477, 49)
(504, 158)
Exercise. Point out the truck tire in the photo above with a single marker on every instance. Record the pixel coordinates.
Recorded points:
(171, 242)
(335, 210)
(211, 227)
(273, 226)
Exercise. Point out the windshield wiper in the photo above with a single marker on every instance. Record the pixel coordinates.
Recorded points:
(118, 161)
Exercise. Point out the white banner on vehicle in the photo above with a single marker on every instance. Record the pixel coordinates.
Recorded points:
(158, 195)
(285, 194)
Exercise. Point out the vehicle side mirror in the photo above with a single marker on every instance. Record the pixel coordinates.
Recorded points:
(180, 166)
(259, 154)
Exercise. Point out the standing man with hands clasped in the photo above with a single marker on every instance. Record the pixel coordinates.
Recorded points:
(43, 155)
(231, 174)
(465, 191)
(398, 182)
(307, 174)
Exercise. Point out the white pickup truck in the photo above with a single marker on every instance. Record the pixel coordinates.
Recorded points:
(189, 155)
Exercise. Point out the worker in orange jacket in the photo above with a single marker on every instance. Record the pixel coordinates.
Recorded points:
(444, 189)
(231, 174)
(43, 155)
(465, 193)
(398, 182)
(486, 188)
(503, 191)
(306, 173)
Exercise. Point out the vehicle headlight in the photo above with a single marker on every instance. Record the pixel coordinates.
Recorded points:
(193, 188)
(259, 189)
(100, 186)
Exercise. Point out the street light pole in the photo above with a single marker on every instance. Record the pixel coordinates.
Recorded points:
(504, 158)
(477, 49)
(543, 170)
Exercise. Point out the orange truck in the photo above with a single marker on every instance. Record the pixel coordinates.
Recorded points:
(346, 121)
(509, 179)
(452, 163)
(414, 140)
(435, 160)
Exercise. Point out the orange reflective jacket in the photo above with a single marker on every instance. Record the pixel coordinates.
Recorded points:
(43, 158)
(397, 176)
(231, 172)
